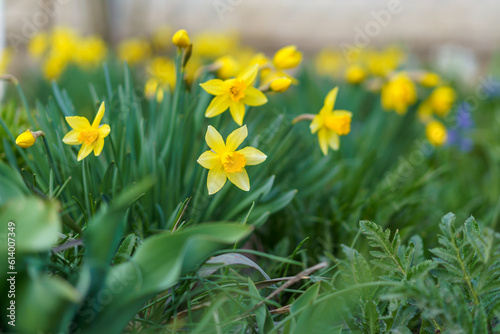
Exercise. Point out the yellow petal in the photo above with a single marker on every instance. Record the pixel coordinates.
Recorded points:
(215, 87)
(323, 141)
(78, 122)
(98, 117)
(104, 131)
(342, 113)
(253, 155)
(99, 144)
(84, 151)
(249, 74)
(316, 123)
(214, 140)
(330, 98)
(236, 138)
(254, 97)
(237, 110)
(218, 105)
(240, 180)
(333, 140)
(216, 179)
(209, 160)
(71, 138)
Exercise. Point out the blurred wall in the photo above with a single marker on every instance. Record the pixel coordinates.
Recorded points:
(310, 24)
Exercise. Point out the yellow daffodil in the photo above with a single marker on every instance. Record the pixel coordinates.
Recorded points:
(154, 88)
(38, 45)
(355, 74)
(234, 94)
(429, 79)
(91, 137)
(224, 162)
(27, 138)
(436, 133)
(442, 99)
(287, 57)
(399, 93)
(329, 62)
(330, 124)
(181, 39)
(228, 67)
(280, 85)
(134, 50)
(91, 51)
(5, 58)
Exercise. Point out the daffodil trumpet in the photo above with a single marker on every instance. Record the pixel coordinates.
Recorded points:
(224, 161)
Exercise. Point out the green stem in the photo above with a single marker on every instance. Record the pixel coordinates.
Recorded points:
(51, 160)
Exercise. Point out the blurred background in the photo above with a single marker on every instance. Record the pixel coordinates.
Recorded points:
(425, 25)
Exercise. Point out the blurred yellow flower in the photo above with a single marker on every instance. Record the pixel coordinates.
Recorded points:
(38, 45)
(382, 63)
(441, 100)
(163, 70)
(280, 85)
(436, 133)
(355, 74)
(154, 88)
(134, 50)
(430, 79)
(259, 59)
(90, 52)
(27, 138)
(228, 67)
(398, 93)
(214, 45)
(234, 94)
(287, 57)
(91, 137)
(330, 124)
(329, 62)
(181, 39)
(53, 66)
(5, 58)
(224, 162)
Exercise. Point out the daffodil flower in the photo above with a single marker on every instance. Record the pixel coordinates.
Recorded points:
(330, 124)
(91, 137)
(224, 162)
(234, 94)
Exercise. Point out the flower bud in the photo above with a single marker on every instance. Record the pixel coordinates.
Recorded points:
(181, 39)
(27, 138)
(287, 57)
(280, 85)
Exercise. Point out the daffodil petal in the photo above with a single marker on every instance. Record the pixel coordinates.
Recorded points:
(254, 97)
(316, 124)
(330, 98)
(98, 117)
(104, 131)
(84, 151)
(333, 140)
(78, 122)
(71, 138)
(342, 113)
(236, 138)
(253, 155)
(216, 180)
(215, 87)
(209, 160)
(323, 141)
(240, 179)
(99, 144)
(214, 140)
(218, 105)
(249, 74)
(237, 110)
